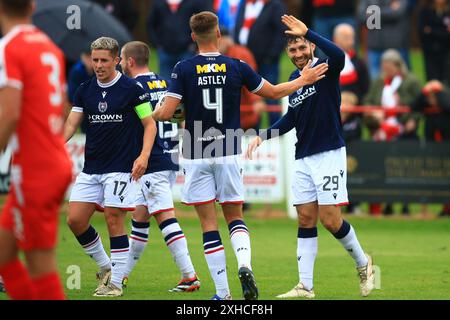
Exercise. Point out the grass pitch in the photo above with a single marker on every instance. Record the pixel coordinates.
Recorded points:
(413, 257)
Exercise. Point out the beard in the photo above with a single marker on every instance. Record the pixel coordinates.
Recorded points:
(300, 63)
(124, 70)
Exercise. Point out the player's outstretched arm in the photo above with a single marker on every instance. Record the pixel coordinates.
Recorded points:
(285, 124)
(72, 123)
(166, 108)
(309, 76)
(10, 103)
(141, 163)
(255, 143)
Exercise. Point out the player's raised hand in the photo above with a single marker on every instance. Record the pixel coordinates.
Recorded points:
(311, 75)
(296, 27)
(255, 143)
(139, 167)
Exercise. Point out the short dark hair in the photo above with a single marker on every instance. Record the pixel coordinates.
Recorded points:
(203, 24)
(292, 39)
(16, 8)
(137, 50)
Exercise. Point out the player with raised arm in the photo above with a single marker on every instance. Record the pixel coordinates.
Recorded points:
(154, 197)
(209, 85)
(319, 184)
(32, 101)
(116, 155)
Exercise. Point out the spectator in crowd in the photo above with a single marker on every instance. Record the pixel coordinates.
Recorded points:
(379, 128)
(395, 87)
(79, 73)
(409, 124)
(434, 102)
(123, 10)
(227, 11)
(351, 127)
(355, 76)
(259, 27)
(382, 130)
(251, 104)
(394, 31)
(351, 123)
(168, 30)
(434, 31)
(328, 14)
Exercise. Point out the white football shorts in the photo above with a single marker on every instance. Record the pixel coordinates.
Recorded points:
(321, 177)
(115, 190)
(213, 179)
(155, 191)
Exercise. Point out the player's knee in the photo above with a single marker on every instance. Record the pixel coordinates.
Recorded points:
(306, 221)
(141, 214)
(330, 223)
(115, 221)
(230, 217)
(163, 216)
(77, 224)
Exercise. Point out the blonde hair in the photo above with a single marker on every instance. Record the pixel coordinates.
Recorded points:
(106, 43)
(392, 55)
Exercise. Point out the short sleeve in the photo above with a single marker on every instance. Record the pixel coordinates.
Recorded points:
(11, 73)
(141, 102)
(78, 105)
(251, 79)
(140, 96)
(176, 88)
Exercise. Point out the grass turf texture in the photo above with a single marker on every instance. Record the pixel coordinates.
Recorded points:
(412, 255)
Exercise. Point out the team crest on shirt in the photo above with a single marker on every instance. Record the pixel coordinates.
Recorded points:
(102, 106)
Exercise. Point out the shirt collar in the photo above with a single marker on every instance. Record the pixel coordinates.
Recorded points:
(111, 83)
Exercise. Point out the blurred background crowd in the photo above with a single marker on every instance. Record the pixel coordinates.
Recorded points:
(399, 72)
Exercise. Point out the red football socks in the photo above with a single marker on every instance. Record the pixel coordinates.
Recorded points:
(18, 283)
(49, 287)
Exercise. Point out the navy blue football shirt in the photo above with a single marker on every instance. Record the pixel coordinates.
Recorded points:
(166, 145)
(314, 110)
(209, 85)
(113, 136)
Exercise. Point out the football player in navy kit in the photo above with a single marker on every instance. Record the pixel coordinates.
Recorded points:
(154, 196)
(209, 85)
(319, 186)
(116, 156)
